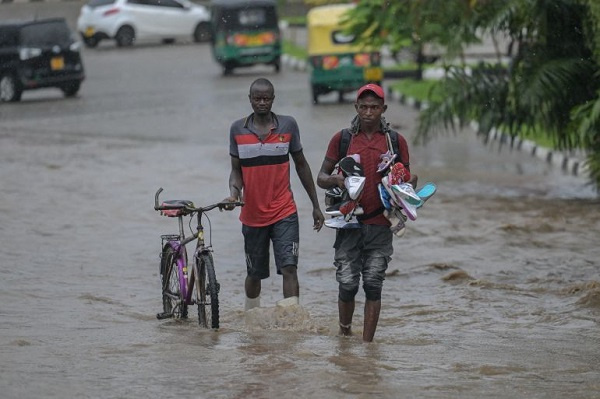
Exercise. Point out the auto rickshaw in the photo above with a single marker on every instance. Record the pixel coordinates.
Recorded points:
(336, 61)
(245, 33)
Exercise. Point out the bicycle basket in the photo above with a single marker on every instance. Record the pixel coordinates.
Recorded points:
(180, 207)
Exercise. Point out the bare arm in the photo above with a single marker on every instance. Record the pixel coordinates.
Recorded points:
(306, 178)
(236, 183)
(325, 178)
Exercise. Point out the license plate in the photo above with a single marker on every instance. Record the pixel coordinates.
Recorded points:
(89, 32)
(57, 63)
(373, 74)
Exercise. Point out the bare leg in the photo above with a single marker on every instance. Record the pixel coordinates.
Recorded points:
(252, 287)
(346, 310)
(372, 309)
(290, 281)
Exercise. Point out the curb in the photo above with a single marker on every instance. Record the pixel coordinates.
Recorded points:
(567, 163)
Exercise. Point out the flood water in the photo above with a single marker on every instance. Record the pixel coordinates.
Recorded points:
(494, 290)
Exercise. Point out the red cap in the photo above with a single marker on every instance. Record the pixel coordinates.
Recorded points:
(376, 89)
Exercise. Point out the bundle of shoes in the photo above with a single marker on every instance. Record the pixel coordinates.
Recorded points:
(343, 203)
(397, 195)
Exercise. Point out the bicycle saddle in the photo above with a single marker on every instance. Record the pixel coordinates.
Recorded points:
(178, 203)
(177, 207)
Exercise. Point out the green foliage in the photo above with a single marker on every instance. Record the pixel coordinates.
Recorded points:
(552, 84)
(294, 50)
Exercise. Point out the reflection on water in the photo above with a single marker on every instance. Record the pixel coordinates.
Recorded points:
(494, 290)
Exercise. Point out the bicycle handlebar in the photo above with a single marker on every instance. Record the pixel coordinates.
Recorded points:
(220, 205)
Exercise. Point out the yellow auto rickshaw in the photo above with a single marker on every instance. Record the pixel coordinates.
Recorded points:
(336, 61)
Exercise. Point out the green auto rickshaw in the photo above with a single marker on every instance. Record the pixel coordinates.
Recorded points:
(245, 33)
(336, 61)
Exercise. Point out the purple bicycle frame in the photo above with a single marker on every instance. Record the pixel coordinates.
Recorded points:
(181, 266)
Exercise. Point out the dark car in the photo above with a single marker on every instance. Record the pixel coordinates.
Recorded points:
(39, 54)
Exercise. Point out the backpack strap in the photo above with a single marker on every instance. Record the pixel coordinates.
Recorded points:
(391, 136)
(344, 142)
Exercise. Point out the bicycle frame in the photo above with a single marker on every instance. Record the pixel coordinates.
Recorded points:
(186, 279)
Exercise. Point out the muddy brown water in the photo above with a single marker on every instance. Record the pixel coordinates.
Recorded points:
(491, 292)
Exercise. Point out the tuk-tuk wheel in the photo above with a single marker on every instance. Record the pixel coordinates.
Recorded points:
(315, 94)
(227, 69)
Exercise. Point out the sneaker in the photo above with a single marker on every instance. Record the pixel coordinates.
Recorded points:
(397, 220)
(409, 209)
(355, 185)
(340, 222)
(334, 196)
(350, 167)
(388, 189)
(405, 190)
(398, 174)
(386, 161)
(384, 196)
(350, 207)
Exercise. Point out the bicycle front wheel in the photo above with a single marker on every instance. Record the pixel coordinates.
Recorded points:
(173, 301)
(207, 292)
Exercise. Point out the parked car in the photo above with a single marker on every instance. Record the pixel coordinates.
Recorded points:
(126, 21)
(39, 54)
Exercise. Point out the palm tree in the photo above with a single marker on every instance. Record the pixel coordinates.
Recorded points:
(552, 83)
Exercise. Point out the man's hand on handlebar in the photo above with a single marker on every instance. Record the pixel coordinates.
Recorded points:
(233, 200)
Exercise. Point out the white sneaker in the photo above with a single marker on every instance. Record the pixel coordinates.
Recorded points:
(406, 190)
(340, 222)
(355, 185)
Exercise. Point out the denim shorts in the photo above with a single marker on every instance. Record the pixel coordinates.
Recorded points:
(285, 237)
(365, 251)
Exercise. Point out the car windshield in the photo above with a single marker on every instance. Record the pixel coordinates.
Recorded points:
(46, 33)
(98, 3)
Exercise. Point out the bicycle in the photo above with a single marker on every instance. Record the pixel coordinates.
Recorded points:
(177, 286)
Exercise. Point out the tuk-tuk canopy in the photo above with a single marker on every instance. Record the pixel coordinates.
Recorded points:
(325, 31)
(328, 15)
(241, 15)
(242, 3)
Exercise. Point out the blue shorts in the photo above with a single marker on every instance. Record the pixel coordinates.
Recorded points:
(285, 235)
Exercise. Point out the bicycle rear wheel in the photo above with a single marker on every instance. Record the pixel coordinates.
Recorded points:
(207, 292)
(173, 301)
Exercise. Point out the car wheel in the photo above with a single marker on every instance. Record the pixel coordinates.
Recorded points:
(125, 36)
(10, 89)
(168, 41)
(202, 33)
(91, 42)
(71, 89)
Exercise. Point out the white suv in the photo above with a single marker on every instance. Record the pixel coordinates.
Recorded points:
(129, 20)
